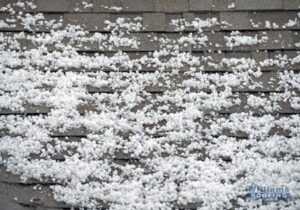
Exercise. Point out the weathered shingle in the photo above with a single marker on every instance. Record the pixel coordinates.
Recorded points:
(235, 20)
(7, 202)
(28, 196)
(18, 5)
(171, 5)
(81, 6)
(170, 26)
(277, 40)
(90, 21)
(291, 4)
(258, 4)
(107, 5)
(292, 54)
(154, 21)
(274, 20)
(53, 5)
(138, 6)
(205, 5)
(221, 5)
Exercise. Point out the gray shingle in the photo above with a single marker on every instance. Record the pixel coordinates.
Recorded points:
(208, 15)
(88, 46)
(147, 42)
(238, 54)
(10, 178)
(242, 47)
(53, 5)
(188, 16)
(170, 17)
(260, 56)
(269, 82)
(79, 131)
(30, 197)
(106, 5)
(203, 5)
(90, 21)
(292, 54)
(221, 5)
(173, 39)
(236, 20)
(296, 39)
(291, 4)
(26, 8)
(215, 41)
(277, 40)
(15, 26)
(138, 5)
(284, 106)
(7, 202)
(128, 16)
(29, 109)
(154, 21)
(81, 6)
(4, 3)
(58, 18)
(171, 5)
(275, 19)
(258, 4)
(18, 25)
(268, 85)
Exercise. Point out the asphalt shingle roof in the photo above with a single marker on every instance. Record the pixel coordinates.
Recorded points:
(236, 65)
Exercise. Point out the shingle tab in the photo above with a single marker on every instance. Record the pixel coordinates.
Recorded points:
(26, 193)
(269, 84)
(221, 5)
(296, 39)
(107, 5)
(171, 5)
(291, 4)
(274, 20)
(283, 106)
(203, 5)
(169, 21)
(260, 56)
(277, 40)
(235, 20)
(147, 42)
(81, 6)
(13, 3)
(4, 3)
(6, 202)
(258, 4)
(57, 18)
(90, 21)
(154, 21)
(138, 5)
(11, 26)
(292, 54)
(53, 5)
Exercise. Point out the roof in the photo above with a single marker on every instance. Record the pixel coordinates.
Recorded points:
(154, 104)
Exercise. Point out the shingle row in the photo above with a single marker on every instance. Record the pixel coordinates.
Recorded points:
(274, 40)
(77, 132)
(168, 6)
(274, 20)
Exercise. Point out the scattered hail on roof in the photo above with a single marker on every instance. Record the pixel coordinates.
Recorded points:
(169, 121)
